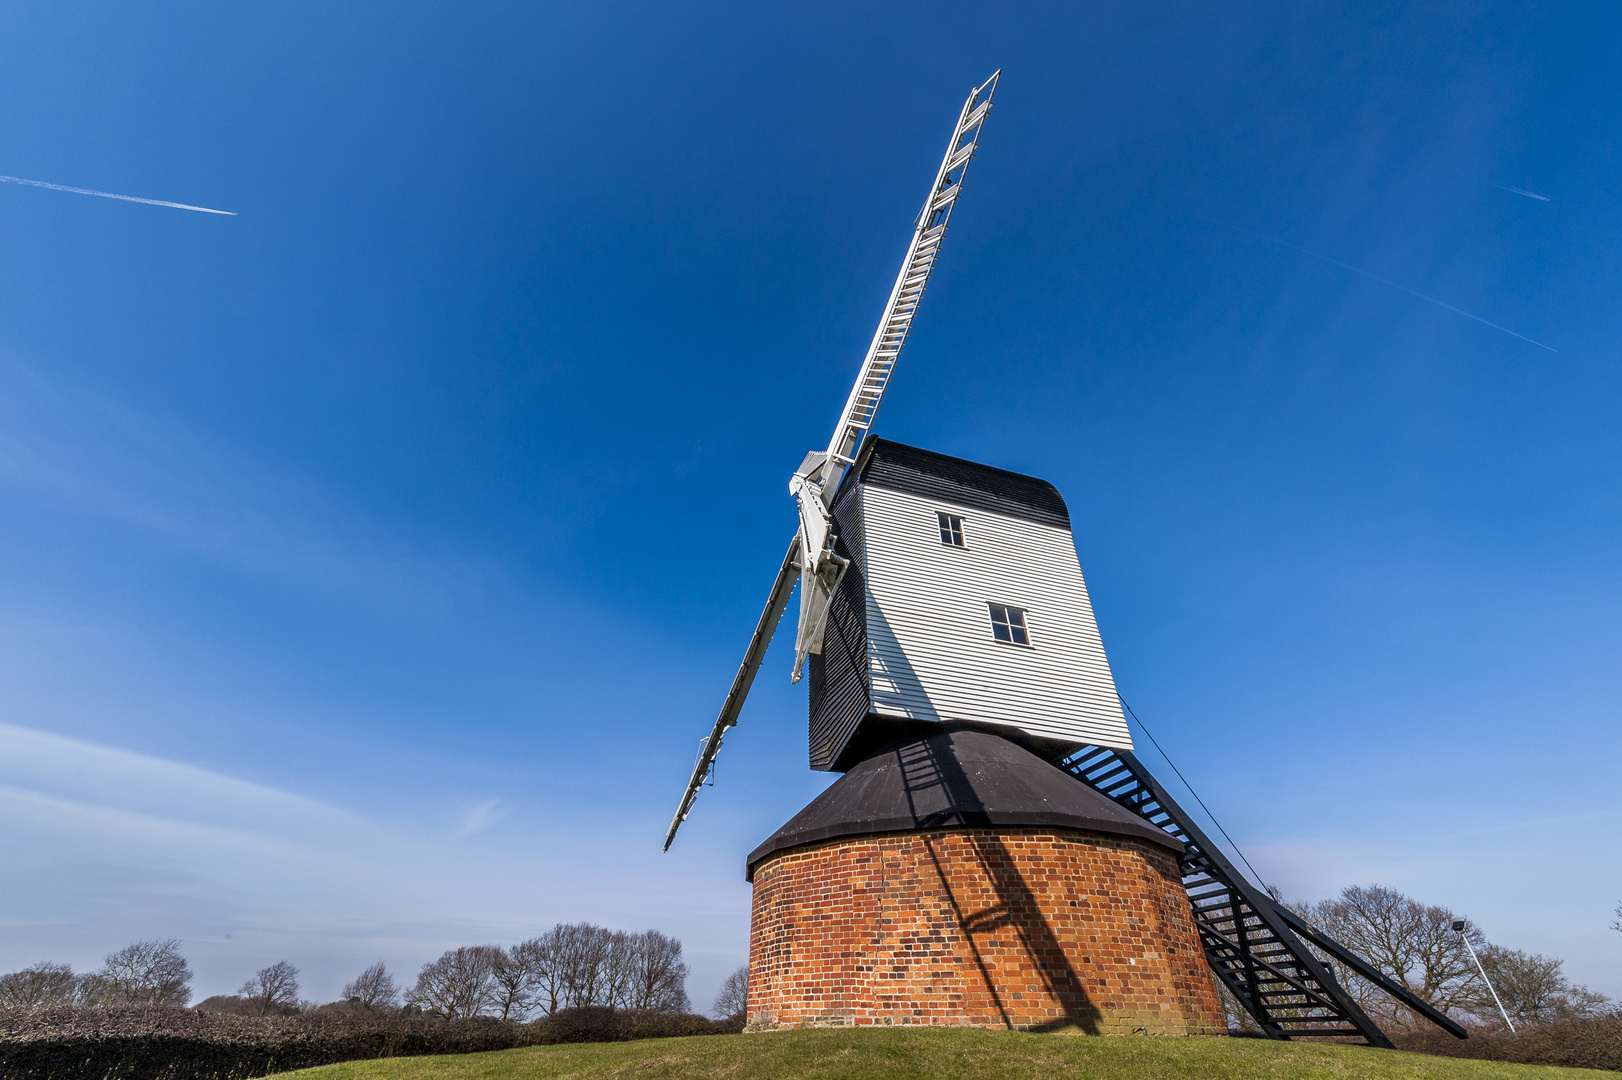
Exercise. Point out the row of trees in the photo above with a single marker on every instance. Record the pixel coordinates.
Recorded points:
(571, 965)
(575, 964)
(1415, 943)
(145, 973)
(579, 964)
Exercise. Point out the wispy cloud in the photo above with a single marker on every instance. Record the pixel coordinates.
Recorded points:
(95, 775)
(116, 844)
(481, 817)
(74, 445)
(113, 844)
(1394, 285)
(111, 195)
(107, 845)
(174, 845)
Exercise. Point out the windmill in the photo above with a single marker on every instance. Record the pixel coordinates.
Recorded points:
(959, 681)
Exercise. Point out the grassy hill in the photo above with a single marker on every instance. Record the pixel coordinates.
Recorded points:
(936, 1054)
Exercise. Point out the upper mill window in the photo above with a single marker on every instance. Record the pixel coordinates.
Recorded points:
(951, 529)
(1008, 624)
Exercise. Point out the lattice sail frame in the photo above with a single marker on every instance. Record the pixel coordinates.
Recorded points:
(1254, 945)
(810, 553)
(816, 481)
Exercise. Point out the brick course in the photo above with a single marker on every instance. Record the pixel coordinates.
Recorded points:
(1028, 928)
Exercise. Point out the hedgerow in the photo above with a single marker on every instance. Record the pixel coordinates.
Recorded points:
(1582, 1044)
(66, 1043)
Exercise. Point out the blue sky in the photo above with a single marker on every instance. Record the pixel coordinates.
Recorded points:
(374, 559)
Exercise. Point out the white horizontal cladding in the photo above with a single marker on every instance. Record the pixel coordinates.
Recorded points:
(931, 652)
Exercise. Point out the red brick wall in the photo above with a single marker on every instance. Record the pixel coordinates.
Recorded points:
(1009, 927)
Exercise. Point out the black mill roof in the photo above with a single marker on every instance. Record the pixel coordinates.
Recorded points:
(900, 467)
(954, 779)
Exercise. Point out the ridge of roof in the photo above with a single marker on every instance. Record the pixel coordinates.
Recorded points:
(897, 466)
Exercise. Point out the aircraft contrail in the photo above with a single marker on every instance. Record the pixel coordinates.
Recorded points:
(1520, 191)
(1404, 288)
(110, 195)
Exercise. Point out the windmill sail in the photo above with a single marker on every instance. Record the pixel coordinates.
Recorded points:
(776, 603)
(810, 555)
(817, 481)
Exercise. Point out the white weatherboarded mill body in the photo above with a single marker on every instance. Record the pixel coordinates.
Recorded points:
(964, 602)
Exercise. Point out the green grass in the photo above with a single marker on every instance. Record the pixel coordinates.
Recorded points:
(936, 1054)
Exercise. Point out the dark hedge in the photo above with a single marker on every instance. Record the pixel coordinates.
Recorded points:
(592, 1024)
(1581, 1044)
(177, 1044)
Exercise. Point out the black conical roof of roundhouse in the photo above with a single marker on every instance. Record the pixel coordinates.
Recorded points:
(954, 779)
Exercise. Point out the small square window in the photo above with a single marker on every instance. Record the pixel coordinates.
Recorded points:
(951, 529)
(1008, 624)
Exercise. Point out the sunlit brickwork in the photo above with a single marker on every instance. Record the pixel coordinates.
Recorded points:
(1001, 927)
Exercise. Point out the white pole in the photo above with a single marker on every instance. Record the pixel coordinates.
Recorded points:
(1490, 990)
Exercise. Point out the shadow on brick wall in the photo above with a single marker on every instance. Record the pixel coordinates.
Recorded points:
(1017, 910)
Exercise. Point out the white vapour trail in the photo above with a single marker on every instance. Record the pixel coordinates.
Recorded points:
(1521, 191)
(110, 195)
(1404, 288)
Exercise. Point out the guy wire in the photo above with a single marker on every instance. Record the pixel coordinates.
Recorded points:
(1191, 791)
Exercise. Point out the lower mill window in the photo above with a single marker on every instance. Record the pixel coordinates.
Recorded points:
(1008, 624)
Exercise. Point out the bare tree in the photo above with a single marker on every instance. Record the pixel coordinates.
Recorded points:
(43, 984)
(272, 989)
(145, 973)
(512, 982)
(584, 952)
(373, 988)
(549, 985)
(1413, 943)
(619, 958)
(1234, 1014)
(1616, 924)
(577, 964)
(732, 1003)
(458, 984)
(655, 974)
(1533, 988)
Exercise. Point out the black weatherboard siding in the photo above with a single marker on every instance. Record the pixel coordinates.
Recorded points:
(843, 729)
(839, 686)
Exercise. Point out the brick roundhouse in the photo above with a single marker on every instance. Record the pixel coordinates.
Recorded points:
(958, 879)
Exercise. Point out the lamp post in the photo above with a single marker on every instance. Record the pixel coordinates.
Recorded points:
(1458, 926)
